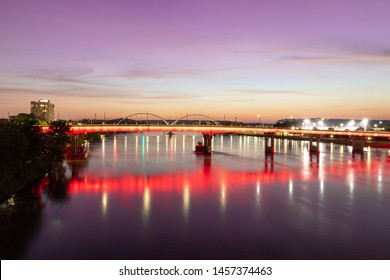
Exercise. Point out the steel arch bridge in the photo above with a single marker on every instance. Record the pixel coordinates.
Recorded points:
(147, 115)
(196, 115)
(173, 123)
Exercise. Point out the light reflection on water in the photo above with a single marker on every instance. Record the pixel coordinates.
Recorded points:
(149, 196)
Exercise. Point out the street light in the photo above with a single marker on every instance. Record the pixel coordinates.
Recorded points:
(258, 116)
(364, 123)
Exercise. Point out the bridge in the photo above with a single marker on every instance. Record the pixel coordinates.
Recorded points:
(215, 129)
(358, 138)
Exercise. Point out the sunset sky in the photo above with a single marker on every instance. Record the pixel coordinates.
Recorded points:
(238, 58)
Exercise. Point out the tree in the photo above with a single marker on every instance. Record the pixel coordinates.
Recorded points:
(56, 140)
(12, 154)
(28, 125)
(26, 152)
(286, 124)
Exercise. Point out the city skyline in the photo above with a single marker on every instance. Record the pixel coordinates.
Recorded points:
(224, 59)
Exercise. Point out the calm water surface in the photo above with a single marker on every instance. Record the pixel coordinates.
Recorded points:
(148, 196)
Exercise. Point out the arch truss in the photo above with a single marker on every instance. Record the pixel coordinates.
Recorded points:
(197, 115)
(147, 116)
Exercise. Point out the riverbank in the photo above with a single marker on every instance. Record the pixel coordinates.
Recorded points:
(25, 183)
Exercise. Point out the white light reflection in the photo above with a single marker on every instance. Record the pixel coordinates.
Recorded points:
(290, 188)
(306, 163)
(184, 143)
(380, 187)
(146, 205)
(257, 194)
(322, 188)
(126, 144)
(115, 150)
(158, 145)
(186, 201)
(104, 204)
(285, 145)
(351, 182)
(331, 151)
(103, 147)
(222, 198)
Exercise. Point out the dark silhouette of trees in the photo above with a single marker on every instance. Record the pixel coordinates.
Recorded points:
(13, 145)
(286, 124)
(27, 152)
(55, 142)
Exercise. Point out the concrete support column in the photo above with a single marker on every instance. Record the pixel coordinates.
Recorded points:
(269, 142)
(269, 163)
(358, 146)
(314, 144)
(207, 143)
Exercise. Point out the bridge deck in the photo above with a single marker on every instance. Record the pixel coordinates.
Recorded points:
(81, 129)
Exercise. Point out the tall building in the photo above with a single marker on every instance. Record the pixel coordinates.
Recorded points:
(43, 109)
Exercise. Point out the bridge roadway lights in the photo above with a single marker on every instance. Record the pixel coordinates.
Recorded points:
(207, 143)
(269, 142)
(358, 146)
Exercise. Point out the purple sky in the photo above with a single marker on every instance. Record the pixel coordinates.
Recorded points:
(172, 57)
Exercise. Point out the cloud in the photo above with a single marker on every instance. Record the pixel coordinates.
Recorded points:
(121, 96)
(368, 109)
(147, 71)
(259, 92)
(312, 59)
(369, 58)
(345, 53)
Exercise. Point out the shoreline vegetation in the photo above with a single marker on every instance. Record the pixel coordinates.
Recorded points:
(28, 154)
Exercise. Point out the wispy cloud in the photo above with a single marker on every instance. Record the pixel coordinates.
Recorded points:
(346, 53)
(368, 109)
(378, 58)
(264, 92)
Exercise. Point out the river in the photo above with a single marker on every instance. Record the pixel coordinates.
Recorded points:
(149, 196)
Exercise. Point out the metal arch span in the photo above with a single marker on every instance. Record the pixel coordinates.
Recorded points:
(147, 114)
(197, 115)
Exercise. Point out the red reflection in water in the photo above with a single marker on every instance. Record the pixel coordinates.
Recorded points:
(207, 176)
(171, 182)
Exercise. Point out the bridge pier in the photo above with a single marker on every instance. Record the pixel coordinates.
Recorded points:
(269, 162)
(207, 142)
(314, 144)
(269, 142)
(75, 146)
(358, 146)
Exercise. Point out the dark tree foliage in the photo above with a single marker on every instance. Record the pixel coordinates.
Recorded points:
(28, 125)
(27, 152)
(13, 158)
(55, 141)
(286, 124)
